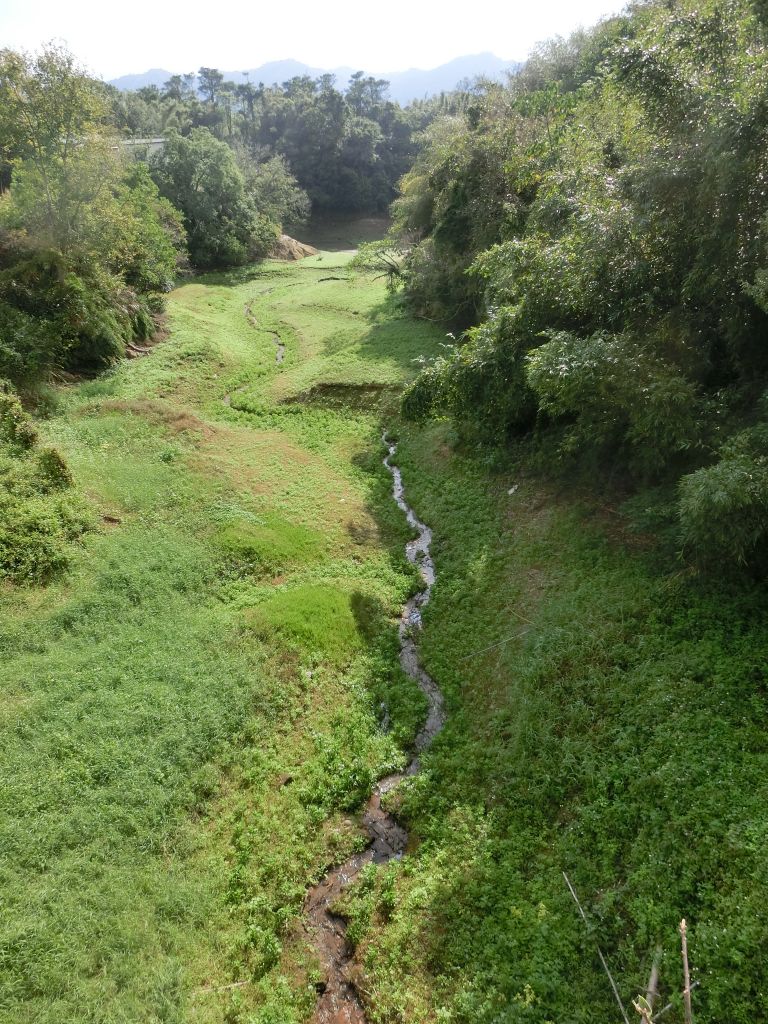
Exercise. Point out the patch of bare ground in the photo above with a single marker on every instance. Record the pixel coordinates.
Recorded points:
(176, 420)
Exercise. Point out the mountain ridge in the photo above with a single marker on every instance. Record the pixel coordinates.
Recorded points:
(404, 86)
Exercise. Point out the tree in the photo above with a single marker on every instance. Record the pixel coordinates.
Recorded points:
(276, 192)
(200, 176)
(211, 80)
(86, 242)
(52, 125)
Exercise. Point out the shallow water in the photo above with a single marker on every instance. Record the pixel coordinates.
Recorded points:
(339, 1002)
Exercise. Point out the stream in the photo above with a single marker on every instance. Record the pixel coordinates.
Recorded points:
(339, 1002)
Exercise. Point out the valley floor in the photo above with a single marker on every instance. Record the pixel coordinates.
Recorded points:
(191, 715)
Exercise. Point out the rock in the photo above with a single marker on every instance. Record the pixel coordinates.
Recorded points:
(287, 248)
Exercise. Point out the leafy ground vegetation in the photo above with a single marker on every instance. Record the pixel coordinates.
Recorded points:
(605, 718)
(190, 712)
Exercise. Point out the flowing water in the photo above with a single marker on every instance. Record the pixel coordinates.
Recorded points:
(339, 1002)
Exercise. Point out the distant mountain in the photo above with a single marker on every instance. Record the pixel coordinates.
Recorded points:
(416, 84)
(155, 76)
(404, 86)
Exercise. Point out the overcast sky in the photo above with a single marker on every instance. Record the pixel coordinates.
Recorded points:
(113, 39)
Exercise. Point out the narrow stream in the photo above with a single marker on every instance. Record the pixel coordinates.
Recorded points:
(339, 1002)
(277, 340)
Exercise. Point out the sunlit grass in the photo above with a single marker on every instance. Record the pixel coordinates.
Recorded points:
(229, 624)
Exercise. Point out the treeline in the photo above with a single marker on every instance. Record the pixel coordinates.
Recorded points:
(94, 227)
(347, 149)
(598, 231)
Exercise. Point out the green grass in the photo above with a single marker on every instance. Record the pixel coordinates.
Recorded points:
(227, 624)
(191, 703)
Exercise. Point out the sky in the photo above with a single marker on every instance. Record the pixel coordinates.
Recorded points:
(113, 39)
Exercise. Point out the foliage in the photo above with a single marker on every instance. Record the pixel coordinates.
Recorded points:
(618, 393)
(50, 107)
(38, 517)
(724, 507)
(599, 223)
(346, 149)
(199, 175)
(276, 192)
(86, 244)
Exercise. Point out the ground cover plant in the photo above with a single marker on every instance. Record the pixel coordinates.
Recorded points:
(191, 708)
(605, 718)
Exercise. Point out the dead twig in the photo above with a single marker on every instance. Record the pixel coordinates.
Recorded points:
(506, 640)
(599, 951)
(668, 1007)
(492, 647)
(686, 973)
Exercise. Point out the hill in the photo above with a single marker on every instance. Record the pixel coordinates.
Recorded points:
(405, 86)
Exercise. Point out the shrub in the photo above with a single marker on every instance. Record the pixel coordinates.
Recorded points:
(38, 519)
(481, 383)
(724, 508)
(616, 391)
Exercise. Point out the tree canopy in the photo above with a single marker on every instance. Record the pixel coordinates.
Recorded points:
(598, 230)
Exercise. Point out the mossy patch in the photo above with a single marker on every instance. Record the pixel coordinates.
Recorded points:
(318, 620)
(270, 544)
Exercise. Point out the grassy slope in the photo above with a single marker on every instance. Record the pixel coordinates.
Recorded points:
(616, 732)
(174, 775)
(190, 714)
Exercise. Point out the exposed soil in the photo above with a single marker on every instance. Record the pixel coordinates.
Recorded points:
(287, 248)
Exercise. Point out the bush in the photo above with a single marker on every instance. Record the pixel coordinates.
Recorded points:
(616, 392)
(38, 519)
(57, 312)
(15, 427)
(481, 383)
(724, 508)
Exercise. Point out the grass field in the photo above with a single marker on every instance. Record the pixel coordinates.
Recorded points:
(191, 711)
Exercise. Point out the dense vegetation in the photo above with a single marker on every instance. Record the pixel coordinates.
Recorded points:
(599, 230)
(196, 660)
(87, 244)
(347, 148)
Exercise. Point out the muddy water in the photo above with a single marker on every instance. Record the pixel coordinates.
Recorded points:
(339, 1002)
